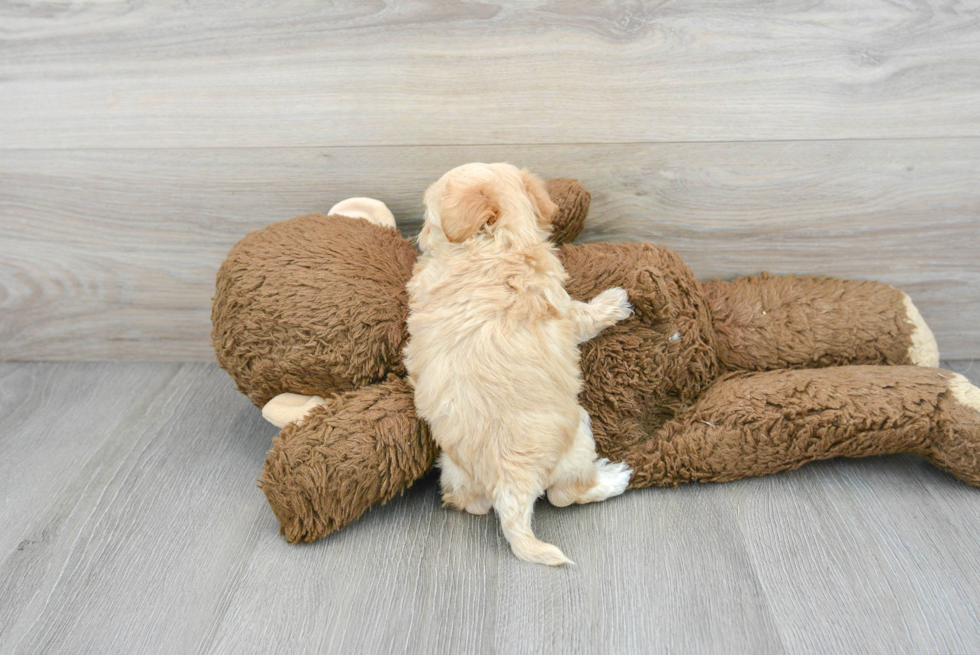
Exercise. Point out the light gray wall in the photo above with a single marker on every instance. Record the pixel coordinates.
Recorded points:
(139, 141)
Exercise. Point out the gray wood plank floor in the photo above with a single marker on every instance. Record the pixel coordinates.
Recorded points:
(131, 524)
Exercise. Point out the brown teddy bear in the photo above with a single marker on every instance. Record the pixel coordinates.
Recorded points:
(708, 381)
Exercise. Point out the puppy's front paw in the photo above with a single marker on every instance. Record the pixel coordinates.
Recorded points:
(615, 304)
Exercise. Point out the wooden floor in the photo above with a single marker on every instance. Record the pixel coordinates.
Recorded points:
(131, 524)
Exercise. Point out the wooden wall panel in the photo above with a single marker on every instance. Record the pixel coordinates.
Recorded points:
(301, 73)
(112, 253)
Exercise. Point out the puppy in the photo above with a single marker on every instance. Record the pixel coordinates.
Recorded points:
(493, 354)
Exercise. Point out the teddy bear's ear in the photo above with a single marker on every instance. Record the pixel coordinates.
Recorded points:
(573, 206)
(466, 209)
(544, 208)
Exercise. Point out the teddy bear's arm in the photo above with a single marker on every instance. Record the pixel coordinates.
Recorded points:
(768, 322)
(752, 424)
(355, 450)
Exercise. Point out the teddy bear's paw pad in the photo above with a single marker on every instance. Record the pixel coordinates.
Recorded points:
(613, 478)
(371, 210)
(964, 392)
(924, 350)
(288, 408)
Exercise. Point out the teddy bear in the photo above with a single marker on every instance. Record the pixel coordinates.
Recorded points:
(707, 381)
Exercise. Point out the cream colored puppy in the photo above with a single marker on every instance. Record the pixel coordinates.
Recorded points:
(493, 353)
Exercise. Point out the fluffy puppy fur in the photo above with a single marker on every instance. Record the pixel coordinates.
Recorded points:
(493, 353)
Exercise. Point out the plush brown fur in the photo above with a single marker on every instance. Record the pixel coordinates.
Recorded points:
(707, 381)
(819, 321)
(362, 447)
(312, 305)
(304, 304)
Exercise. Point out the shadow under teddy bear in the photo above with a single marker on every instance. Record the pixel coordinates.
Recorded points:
(708, 381)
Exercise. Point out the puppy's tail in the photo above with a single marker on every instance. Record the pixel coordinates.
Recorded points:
(515, 509)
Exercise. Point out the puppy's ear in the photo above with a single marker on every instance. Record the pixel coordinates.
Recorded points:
(544, 208)
(466, 209)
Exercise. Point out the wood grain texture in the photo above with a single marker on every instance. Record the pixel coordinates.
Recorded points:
(160, 543)
(54, 420)
(677, 578)
(913, 519)
(302, 73)
(109, 254)
(140, 551)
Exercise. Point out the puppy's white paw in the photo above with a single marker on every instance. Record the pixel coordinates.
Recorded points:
(613, 478)
(615, 302)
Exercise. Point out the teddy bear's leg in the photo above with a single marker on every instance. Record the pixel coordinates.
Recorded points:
(752, 424)
(353, 451)
(371, 210)
(769, 322)
(956, 450)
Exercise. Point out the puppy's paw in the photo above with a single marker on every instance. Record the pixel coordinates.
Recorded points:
(613, 477)
(615, 304)
(479, 506)
(466, 501)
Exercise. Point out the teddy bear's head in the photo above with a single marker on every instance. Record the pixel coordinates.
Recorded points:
(317, 304)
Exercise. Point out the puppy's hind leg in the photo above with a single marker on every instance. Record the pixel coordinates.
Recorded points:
(457, 489)
(581, 478)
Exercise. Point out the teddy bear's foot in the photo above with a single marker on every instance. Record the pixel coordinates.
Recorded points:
(924, 351)
(956, 443)
(289, 408)
(964, 392)
(371, 210)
